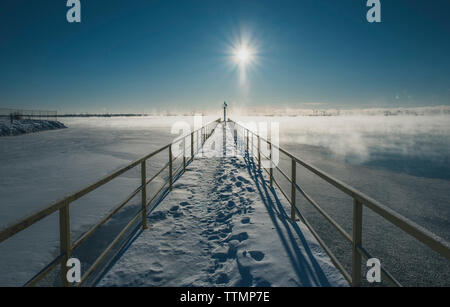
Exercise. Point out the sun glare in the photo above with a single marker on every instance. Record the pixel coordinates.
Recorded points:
(243, 55)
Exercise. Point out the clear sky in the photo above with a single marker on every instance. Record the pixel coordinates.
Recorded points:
(141, 55)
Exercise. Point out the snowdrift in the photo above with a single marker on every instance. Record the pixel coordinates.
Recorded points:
(28, 126)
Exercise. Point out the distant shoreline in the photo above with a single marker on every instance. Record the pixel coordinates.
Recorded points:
(289, 112)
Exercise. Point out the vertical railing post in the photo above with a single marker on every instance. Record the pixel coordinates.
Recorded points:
(271, 165)
(144, 193)
(248, 151)
(259, 153)
(357, 239)
(184, 154)
(294, 180)
(64, 241)
(170, 168)
(253, 146)
(192, 145)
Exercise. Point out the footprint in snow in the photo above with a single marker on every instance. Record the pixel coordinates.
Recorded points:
(257, 255)
(245, 220)
(240, 178)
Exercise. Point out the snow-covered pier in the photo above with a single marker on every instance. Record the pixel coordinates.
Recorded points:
(222, 225)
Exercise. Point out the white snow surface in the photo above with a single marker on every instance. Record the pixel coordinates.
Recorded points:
(223, 226)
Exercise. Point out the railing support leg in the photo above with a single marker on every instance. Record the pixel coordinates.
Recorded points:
(259, 153)
(253, 147)
(293, 190)
(170, 168)
(64, 238)
(192, 145)
(144, 193)
(184, 154)
(271, 166)
(247, 143)
(357, 240)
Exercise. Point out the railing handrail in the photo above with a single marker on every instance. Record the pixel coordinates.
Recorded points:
(425, 236)
(63, 205)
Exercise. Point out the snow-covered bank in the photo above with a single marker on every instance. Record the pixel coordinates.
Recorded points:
(28, 126)
(222, 226)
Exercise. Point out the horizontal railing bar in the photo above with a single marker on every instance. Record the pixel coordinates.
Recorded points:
(178, 171)
(175, 174)
(428, 238)
(38, 277)
(110, 177)
(333, 258)
(157, 174)
(105, 219)
(107, 250)
(284, 174)
(310, 200)
(26, 222)
(324, 214)
(279, 187)
(156, 194)
(96, 227)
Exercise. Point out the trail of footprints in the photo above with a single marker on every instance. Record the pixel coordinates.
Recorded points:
(228, 203)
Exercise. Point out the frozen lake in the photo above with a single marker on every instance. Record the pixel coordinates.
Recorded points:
(402, 162)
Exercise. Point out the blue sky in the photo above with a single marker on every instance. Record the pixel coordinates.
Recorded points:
(142, 55)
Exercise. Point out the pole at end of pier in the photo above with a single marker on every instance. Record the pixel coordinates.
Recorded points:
(225, 111)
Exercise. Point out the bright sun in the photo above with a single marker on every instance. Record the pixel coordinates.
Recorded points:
(243, 55)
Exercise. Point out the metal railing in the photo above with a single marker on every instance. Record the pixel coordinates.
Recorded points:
(197, 137)
(9, 115)
(360, 201)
